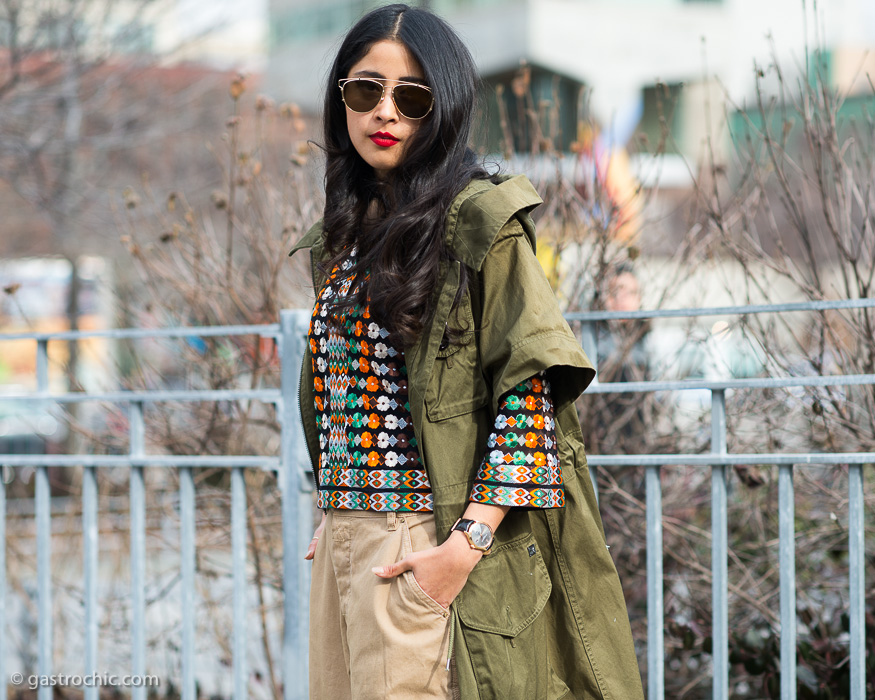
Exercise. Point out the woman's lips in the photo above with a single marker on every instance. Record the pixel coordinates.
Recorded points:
(383, 139)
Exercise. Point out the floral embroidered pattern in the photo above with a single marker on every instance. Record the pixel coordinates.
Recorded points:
(369, 459)
(521, 467)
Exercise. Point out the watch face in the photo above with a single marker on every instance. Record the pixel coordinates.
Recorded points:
(480, 534)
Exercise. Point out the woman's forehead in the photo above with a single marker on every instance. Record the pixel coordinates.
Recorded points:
(390, 60)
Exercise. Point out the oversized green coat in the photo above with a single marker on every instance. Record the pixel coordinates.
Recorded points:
(543, 616)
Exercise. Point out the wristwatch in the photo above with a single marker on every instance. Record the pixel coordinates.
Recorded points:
(479, 534)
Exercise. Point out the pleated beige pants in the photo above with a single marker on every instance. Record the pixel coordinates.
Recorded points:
(373, 638)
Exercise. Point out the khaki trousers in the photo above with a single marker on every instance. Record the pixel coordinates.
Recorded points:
(373, 638)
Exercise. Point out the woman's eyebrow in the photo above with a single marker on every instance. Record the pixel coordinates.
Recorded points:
(380, 76)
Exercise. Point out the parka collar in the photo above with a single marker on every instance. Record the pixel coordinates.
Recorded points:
(480, 211)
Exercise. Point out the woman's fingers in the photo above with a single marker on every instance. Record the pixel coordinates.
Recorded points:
(311, 548)
(393, 570)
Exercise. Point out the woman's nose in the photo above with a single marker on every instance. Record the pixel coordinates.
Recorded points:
(385, 109)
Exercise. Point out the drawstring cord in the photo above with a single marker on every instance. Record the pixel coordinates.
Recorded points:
(453, 615)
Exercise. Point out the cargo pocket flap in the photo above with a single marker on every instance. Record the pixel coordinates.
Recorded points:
(507, 589)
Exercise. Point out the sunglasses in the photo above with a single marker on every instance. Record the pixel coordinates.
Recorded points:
(361, 95)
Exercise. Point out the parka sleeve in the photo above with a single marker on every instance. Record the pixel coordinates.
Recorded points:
(522, 331)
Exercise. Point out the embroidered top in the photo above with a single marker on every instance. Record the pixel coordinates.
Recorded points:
(369, 458)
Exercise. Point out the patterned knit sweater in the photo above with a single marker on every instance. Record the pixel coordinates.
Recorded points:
(369, 458)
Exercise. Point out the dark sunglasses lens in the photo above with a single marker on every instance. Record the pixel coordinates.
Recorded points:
(413, 101)
(362, 95)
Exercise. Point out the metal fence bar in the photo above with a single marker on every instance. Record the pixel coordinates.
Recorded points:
(268, 330)
(721, 310)
(271, 463)
(719, 552)
(4, 692)
(655, 600)
(706, 459)
(212, 395)
(787, 564)
(43, 509)
(856, 533)
(238, 560)
(187, 570)
(724, 384)
(296, 511)
(590, 343)
(89, 567)
(138, 551)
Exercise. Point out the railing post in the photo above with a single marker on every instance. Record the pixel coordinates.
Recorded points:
(787, 564)
(655, 604)
(297, 510)
(858, 581)
(238, 557)
(90, 571)
(138, 549)
(3, 694)
(187, 554)
(719, 551)
(589, 341)
(43, 507)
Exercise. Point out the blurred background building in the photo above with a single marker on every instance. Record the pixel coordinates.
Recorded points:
(621, 50)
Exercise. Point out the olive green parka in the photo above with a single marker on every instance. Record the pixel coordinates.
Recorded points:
(543, 616)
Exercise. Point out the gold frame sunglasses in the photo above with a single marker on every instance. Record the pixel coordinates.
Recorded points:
(362, 95)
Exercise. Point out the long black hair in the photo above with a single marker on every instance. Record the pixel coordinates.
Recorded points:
(397, 225)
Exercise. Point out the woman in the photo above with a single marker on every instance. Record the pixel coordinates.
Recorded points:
(461, 552)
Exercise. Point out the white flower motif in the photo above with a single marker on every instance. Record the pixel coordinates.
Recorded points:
(380, 350)
(323, 345)
(391, 459)
(391, 422)
(383, 440)
(373, 330)
(496, 457)
(383, 403)
(321, 365)
(500, 421)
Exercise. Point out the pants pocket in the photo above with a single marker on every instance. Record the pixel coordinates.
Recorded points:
(418, 535)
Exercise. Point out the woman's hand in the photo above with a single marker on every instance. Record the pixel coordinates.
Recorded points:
(311, 550)
(441, 571)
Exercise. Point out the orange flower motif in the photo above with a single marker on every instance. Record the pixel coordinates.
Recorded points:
(364, 365)
(366, 350)
(373, 384)
(320, 405)
(358, 328)
(318, 384)
(373, 421)
(313, 347)
(367, 440)
(537, 385)
(531, 403)
(540, 459)
(539, 421)
(373, 459)
(531, 439)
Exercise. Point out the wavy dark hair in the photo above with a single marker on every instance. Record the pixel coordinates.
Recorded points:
(397, 225)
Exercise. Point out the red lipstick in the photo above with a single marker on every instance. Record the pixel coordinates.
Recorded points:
(383, 139)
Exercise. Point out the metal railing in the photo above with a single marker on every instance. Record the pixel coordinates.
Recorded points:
(292, 465)
(719, 459)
